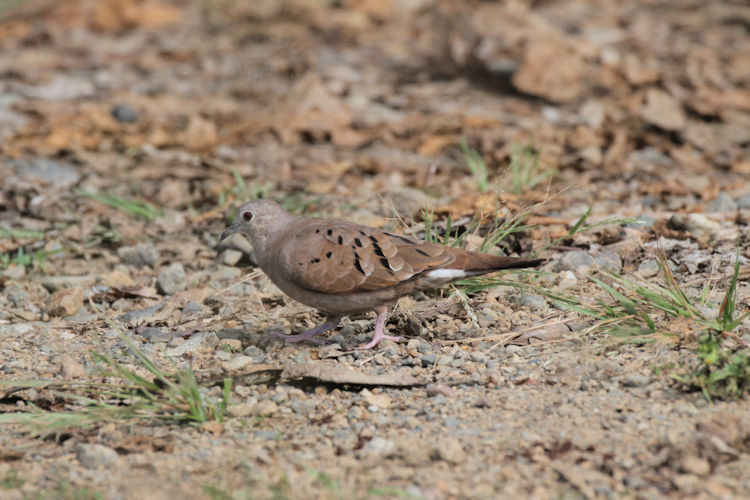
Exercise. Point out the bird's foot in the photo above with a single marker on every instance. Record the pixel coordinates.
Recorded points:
(302, 337)
(376, 340)
(379, 331)
(310, 335)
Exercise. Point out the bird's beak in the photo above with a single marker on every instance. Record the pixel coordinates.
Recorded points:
(233, 227)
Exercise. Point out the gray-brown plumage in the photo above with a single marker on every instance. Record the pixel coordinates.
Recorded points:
(341, 268)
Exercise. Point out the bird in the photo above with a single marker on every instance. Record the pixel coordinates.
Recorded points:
(342, 269)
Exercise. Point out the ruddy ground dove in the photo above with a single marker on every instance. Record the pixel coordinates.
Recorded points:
(342, 269)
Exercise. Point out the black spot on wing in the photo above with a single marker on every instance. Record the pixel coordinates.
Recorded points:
(328, 255)
(422, 252)
(402, 238)
(378, 250)
(357, 264)
(315, 260)
(386, 264)
(341, 240)
(358, 242)
(329, 232)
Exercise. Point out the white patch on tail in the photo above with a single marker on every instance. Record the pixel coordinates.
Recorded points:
(446, 274)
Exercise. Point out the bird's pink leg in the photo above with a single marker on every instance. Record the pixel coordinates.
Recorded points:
(310, 335)
(379, 330)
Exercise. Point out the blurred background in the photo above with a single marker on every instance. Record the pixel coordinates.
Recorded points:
(187, 108)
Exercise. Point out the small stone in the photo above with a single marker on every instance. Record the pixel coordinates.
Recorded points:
(70, 368)
(17, 295)
(232, 333)
(450, 450)
(566, 280)
(14, 272)
(54, 283)
(534, 302)
(123, 113)
(698, 225)
(193, 344)
(635, 380)
(744, 201)
(382, 401)
(117, 279)
(722, 203)
(648, 268)
(226, 273)
(241, 410)
(192, 308)
(135, 318)
(663, 111)
(172, 279)
(412, 345)
(230, 257)
(608, 260)
(65, 302)
(265, 408)
(60, 174)
(152, 334)
(577, 261)
(696, 465)
(237, 363)
(378, 447)
(478, 356)
(93, 456)
(142, 254)
(428, 359)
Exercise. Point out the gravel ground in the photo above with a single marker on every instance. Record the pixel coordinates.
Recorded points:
(357, 109)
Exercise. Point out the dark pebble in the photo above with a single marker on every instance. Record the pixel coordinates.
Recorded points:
(124, 113)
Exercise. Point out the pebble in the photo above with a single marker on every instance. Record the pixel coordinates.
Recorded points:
(172, 279)
(58, 173)
(635, 380)
(566, 280)
(577, 261)
(230, 257)
(153, 334)
(142, 254)
(378, 447)
(54, 283)
(117, 279)
(65, 302)
(534, 302)
(193, 344)
(450, 450)
(428, 359)
(722, 203)
(609, 260)
(238, 362)
(266, 408)
(744, 201)
(698, 225)
(133, 318)
(226, 273)
(478, 356)
(452, 421)
(14, 272)
(123, 113)
(696, 465)
(93, 456)
(16, 295)
(648, 268)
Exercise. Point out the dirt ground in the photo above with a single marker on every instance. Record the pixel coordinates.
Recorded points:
(130, 131)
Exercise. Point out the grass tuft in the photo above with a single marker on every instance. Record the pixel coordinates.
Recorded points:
(131, 398)
(139, 209)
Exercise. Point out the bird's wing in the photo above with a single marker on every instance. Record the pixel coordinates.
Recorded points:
(339, 257)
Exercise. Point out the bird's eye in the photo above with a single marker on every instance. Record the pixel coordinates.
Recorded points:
(247, 216)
